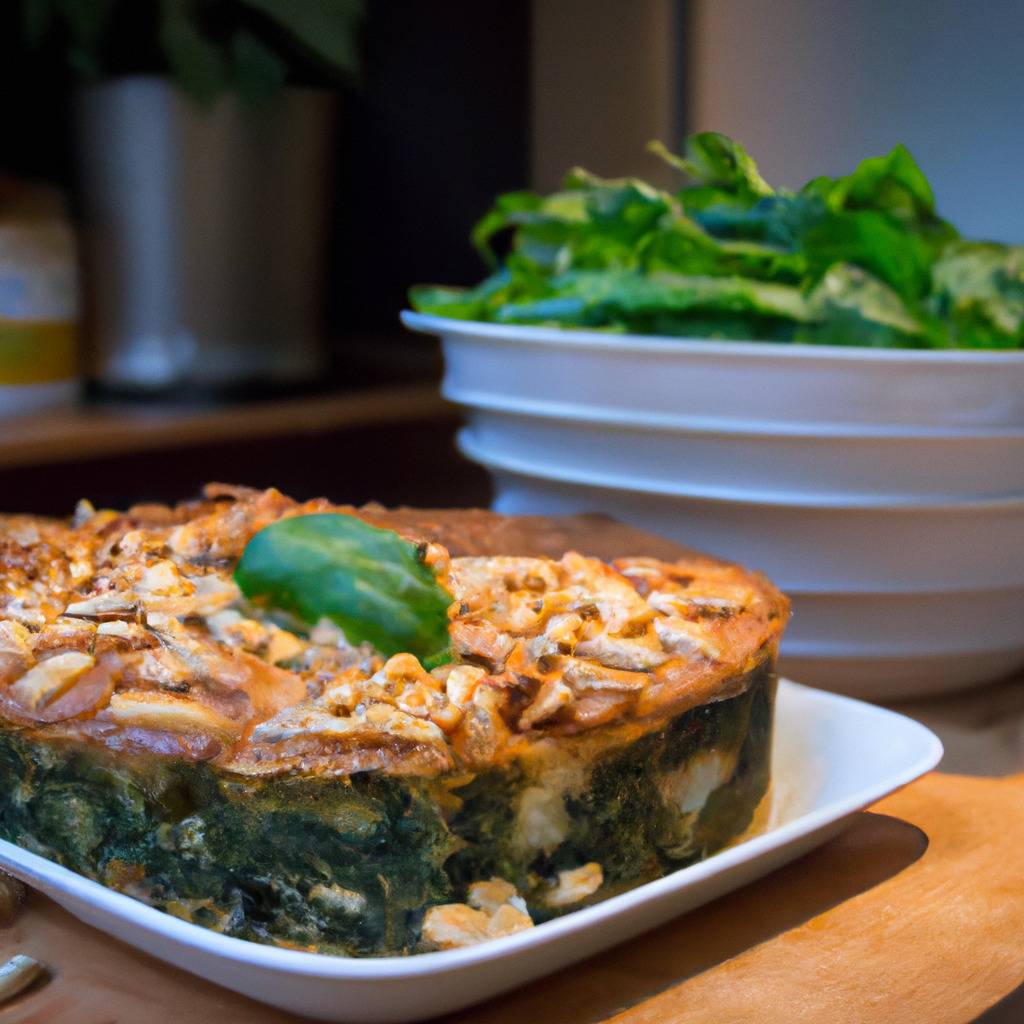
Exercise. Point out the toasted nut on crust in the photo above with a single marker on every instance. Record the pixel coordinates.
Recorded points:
(17, 974)
(165, 711)
(46, 681)
(16, 656)
(507, 920)
(552, 696)
(454, 925)
(575, 885)
(491, 894)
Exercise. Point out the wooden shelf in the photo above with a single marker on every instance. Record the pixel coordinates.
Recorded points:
(95, 431)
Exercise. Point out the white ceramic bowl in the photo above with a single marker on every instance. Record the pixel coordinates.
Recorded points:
(877, 646)
(715, 384)
(882, 489)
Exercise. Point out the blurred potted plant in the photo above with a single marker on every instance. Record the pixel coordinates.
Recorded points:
(203, 134)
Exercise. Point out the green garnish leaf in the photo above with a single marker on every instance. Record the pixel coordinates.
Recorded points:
(370, 582)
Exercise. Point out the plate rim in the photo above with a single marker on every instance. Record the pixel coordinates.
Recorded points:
(483, 330)
(643, 421)
(907, 505)
(35, 869)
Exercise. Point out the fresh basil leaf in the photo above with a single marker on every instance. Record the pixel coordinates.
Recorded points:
(370, 582)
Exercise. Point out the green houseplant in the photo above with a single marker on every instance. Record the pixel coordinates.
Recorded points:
(210, 47)
(204, 130)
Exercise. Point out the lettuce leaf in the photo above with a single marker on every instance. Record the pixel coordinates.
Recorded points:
(979, 290)
(862, 259)
(893, 182)
(850, 304)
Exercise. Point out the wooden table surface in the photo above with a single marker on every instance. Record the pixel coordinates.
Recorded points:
(916, 913)
(982, 728)
(110, 429)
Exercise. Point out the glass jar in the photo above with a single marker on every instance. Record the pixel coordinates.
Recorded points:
(39, 300)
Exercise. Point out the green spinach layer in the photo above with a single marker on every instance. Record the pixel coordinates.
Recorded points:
(350, 865)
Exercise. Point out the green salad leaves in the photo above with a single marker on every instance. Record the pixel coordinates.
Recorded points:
(858, 260)
(370, 582)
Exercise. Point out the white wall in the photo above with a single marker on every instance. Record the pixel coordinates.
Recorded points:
(604, 83)
(812, 86)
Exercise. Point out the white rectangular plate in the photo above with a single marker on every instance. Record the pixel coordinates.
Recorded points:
(832, 757)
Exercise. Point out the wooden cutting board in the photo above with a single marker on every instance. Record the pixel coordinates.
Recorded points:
(916, 913)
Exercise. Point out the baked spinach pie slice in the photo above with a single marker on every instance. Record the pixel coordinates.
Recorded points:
(374, 732)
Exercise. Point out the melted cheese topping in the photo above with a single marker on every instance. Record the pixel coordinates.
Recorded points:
(127, 629)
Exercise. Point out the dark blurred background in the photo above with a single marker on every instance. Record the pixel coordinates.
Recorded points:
(433, 124)
(436, 124)
(216, 207)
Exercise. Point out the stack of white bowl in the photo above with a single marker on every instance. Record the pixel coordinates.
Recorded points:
(883, 490)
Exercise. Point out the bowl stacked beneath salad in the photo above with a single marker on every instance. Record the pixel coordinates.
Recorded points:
(828, 382)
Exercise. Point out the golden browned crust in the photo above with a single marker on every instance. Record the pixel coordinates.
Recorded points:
(126, 629)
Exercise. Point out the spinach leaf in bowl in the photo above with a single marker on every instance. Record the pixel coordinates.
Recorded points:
(862, 259)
